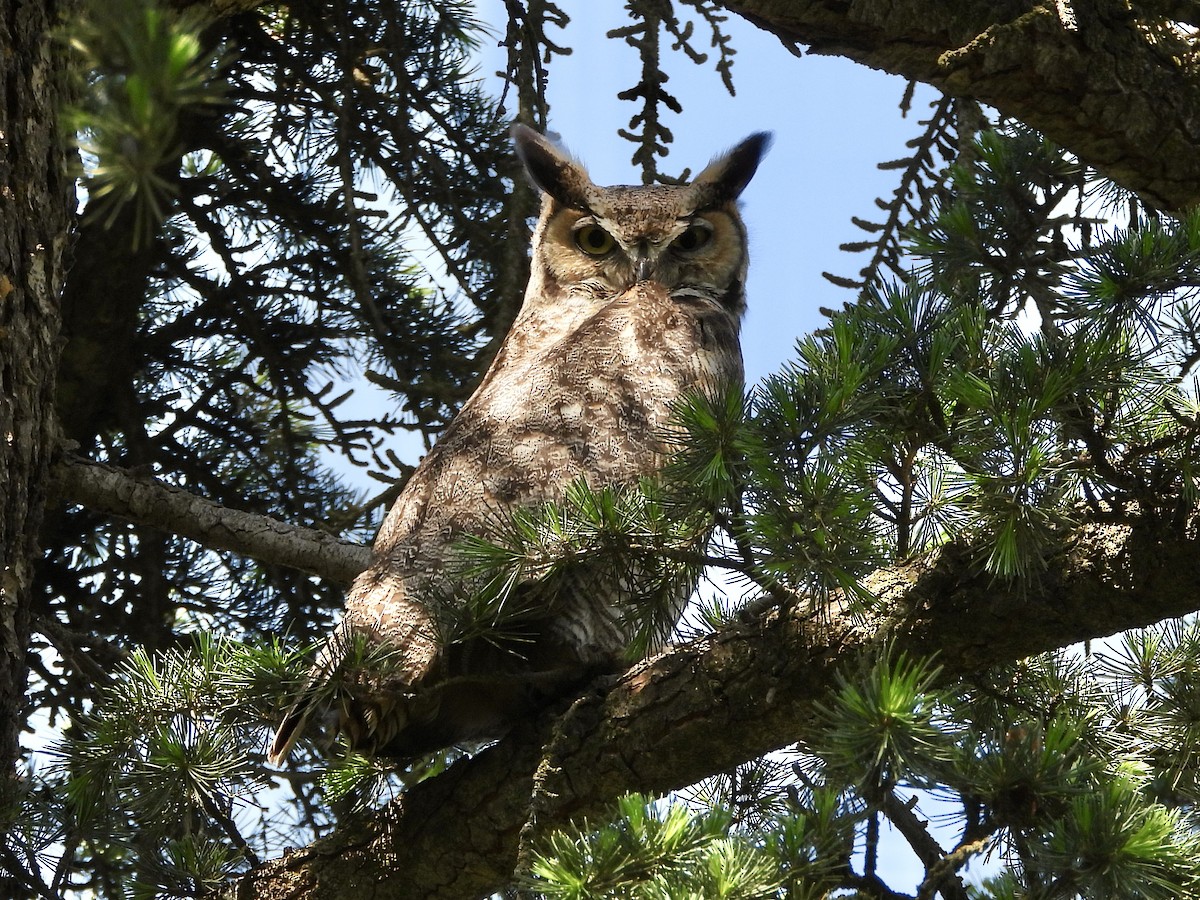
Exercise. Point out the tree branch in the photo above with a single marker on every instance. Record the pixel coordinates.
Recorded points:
(148, 502)
(703, 707)
(1084, 73)
(938, 875)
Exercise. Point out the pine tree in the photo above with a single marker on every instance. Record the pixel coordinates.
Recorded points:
(985, 457)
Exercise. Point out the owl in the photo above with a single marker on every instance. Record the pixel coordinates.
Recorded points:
(634, 299)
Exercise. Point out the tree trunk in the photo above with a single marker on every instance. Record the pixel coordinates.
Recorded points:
(36, 200)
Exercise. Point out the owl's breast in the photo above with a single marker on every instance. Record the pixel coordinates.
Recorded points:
(594, 404)
(599, 398)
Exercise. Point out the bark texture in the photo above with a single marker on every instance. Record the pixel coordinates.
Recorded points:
(148, 502)
(703, 707)
(1088, 73)
(36, 197)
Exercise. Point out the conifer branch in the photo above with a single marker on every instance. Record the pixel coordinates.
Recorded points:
(654, 137)
(149, 502)
(923, 844)
(710, 704)
(649, 18)
(921, 180)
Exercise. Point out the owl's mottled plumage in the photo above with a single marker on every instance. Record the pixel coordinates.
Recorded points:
(635, 298)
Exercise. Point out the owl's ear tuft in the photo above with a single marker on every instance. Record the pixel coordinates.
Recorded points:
(551, 169)
(723, 180)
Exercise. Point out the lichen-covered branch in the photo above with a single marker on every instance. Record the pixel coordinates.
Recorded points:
(148, 502)
(1099, 80)
(703, 707)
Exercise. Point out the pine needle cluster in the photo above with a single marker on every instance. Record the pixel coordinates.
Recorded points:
(163, 777)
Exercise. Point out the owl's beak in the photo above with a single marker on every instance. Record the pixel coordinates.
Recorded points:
(643, 267)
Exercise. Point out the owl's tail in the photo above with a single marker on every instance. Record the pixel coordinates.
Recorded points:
(288, 731)
(297, 715)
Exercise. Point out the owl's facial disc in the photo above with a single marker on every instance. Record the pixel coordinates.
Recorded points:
(662, 250)
(625, 235)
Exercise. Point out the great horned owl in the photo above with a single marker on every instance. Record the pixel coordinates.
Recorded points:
(635, 298)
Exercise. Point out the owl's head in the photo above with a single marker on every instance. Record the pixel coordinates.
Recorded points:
(596, 242)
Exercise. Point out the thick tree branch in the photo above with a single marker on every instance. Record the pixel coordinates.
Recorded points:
(148, 502)
(703, 707)
(1085, 73)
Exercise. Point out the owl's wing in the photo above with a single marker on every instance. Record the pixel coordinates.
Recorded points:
(371, 667)
(400, 691)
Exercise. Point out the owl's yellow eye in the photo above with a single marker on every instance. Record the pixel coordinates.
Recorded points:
(594, 240)
(696, 236)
